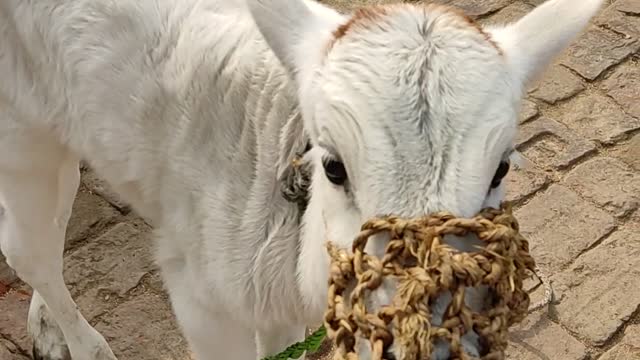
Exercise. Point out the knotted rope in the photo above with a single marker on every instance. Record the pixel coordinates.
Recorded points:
(424, 268)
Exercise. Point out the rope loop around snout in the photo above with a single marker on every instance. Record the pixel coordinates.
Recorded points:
(424, 267)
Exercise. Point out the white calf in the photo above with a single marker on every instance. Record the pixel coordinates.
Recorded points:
(193, 111)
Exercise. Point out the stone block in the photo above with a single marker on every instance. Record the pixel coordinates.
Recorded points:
(4, 288)
(528, 111)
(624, 87)
(100, 187)
(608, 182)
(95, 302)
(537, 338)
(507, 15)
(628, 151)
(154, 282)
(475, 8)
(600, 291)
(622, 16)
(597, 117)
(596, 51)
(144, 328)
(560, 226)
(628, 347)
(13, 318)
(7, 274)
(472, 8)
(350, 5)
(550, 144)
(8, 351)
(535, 2)
(114, 263)
(522, 183)
(557, 84)
(91, 215)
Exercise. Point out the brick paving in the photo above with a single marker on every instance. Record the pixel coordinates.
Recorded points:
(577, 200)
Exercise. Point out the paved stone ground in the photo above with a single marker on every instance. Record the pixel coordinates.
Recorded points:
(577, 200)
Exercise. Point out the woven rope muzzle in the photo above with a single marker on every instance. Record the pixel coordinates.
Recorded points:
(424, 267)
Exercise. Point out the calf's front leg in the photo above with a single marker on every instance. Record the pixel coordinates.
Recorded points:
(35, 205)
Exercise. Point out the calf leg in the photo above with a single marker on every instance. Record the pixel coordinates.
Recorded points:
(48, 339)
(37, 187)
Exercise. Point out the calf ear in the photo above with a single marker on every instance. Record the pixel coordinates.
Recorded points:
(531, 43)
(296, 30)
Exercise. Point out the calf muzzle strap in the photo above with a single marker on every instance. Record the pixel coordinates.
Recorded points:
(423, 267)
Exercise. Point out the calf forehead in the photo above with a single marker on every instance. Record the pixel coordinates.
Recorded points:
(411, 72)
(419, 19)
(399, 52)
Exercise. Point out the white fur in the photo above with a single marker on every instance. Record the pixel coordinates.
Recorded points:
(526, 42)
(186, 110)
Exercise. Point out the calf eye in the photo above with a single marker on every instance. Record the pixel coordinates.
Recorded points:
(502, 171)
(335, 171)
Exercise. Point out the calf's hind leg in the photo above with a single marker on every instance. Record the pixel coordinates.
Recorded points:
(38, 183)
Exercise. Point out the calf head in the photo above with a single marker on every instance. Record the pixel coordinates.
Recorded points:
(410, 109)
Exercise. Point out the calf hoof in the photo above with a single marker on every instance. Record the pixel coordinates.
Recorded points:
(48, 340)
(60, 353)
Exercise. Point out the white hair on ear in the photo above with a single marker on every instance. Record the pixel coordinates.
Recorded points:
(532, 42)
(295, 30)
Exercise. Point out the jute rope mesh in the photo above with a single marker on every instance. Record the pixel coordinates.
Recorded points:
(424, 267)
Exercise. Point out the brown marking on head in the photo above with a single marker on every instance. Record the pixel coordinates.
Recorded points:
(472, 23)
(369, 15)
(466, 20)
(361, 17)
